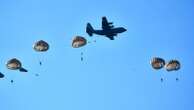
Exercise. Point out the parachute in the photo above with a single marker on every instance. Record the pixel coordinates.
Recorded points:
(1, 75)
(173, 65)
(157, 63)
(15, 64)
(79, 41)
(41, 46)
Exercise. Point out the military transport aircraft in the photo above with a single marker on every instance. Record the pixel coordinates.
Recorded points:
(108, 30)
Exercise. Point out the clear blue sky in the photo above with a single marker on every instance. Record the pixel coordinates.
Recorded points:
(115, 75)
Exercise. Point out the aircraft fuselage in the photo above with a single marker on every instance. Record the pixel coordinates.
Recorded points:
(110, 31)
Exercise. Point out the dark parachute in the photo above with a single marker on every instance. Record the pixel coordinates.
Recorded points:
(1, 75)
(15, 64)
(23, 70)
(79, 41)
(157, 63)
(173, 65)
(41, 46)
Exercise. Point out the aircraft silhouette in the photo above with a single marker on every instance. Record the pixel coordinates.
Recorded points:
(107, 29)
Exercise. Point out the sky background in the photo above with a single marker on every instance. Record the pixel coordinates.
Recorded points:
(115, 75)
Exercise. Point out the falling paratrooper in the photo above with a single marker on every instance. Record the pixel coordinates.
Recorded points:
(41, 46)
(173, 65)
(78, 42)
(157, 63)
(15, 64)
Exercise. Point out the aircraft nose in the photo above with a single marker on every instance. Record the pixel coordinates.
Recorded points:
(124, 29)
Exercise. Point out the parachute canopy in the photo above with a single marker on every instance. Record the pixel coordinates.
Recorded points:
(1, 75)
(157, 63)
(14, 64)
(79, 41)
(173, 65)
(41, 46)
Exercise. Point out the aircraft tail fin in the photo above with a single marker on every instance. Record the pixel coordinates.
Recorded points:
(89, 29)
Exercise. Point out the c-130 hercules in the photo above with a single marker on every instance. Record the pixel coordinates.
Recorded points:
(108, 29)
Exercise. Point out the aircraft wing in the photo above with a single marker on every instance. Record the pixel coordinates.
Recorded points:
(105, 24)
(111, 36)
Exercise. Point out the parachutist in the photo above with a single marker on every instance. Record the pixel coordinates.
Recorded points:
(11, 81)
(40, 63)
(161, 79)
